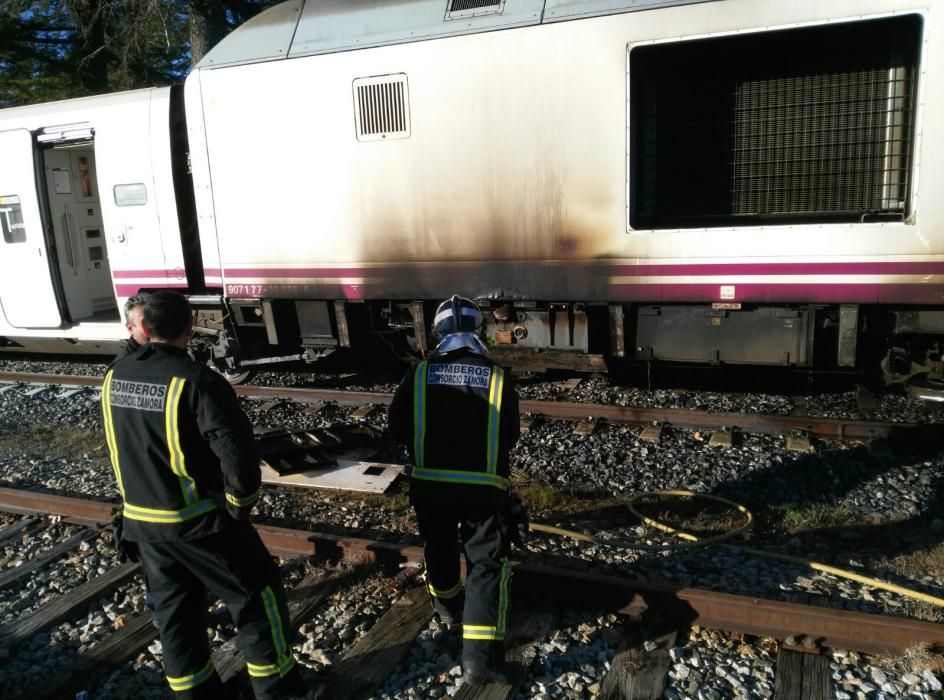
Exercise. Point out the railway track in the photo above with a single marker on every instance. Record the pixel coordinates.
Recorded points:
(655, 613)
(587, 413)
(645, 601)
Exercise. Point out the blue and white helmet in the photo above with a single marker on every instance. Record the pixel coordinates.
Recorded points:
(457, 315)
(457, 324)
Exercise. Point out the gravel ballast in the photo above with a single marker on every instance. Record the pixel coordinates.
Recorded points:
(872, 488)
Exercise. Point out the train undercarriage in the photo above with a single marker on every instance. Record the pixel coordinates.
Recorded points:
(894, 346)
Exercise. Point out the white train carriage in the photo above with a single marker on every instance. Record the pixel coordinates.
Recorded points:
(717, 180)
(721, 180)
(88, 214)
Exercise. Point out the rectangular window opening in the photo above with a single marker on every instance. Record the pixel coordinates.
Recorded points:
(803, 125)
(130, 195)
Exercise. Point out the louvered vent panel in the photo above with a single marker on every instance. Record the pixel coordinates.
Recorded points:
(807, 125)
(463, 9)
(463, 5)
(381, 107)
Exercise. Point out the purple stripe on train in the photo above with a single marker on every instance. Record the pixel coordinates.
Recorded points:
(310, 272)
(871, 293)
(803, 268)
(641, 270)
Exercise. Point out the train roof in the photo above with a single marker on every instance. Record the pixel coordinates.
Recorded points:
(308, 27)
(32, 116)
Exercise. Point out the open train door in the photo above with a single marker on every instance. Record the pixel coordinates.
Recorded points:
(26, 287)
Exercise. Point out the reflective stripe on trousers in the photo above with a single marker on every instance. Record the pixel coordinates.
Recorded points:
(181, 683)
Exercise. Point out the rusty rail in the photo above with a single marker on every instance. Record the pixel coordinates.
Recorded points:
(840, 429)
(582, 584)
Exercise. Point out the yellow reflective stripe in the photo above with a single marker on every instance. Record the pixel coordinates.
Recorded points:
(167, 425)
(446, 594)
(496, 631)
(419, 414)
(244, 501)
(461, 477)
(157, 515)
(179, 683)
(494, 636)
(262, 670)
(494, 411)
(503, 597)
(178, 463)
(482, 632)
(110, 431)
(284, 657)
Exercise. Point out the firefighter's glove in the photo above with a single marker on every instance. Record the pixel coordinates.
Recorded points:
(127, 551)
(517, 520)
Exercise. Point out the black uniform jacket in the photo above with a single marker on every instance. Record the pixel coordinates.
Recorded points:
(127, 348)
(458, 415)
(181, 447)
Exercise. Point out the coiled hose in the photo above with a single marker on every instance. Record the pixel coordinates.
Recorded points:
(693, 541)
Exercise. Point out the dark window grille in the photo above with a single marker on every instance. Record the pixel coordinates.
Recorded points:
(382, 108)
(462, 5)
(804, 125)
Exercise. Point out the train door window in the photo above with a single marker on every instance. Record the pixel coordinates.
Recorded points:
(814, 124)
(131, 195)
(11, 219)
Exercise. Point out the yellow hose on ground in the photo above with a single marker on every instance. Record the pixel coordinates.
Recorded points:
(693, 541)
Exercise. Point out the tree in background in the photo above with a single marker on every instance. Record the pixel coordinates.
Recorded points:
(55, 49)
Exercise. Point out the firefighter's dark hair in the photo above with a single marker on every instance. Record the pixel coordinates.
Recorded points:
(167, 315)
(136, 300)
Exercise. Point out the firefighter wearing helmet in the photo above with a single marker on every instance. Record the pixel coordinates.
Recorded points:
(457, 411)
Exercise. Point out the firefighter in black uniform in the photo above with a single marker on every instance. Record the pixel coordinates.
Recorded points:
(457, 411)
(184, 458)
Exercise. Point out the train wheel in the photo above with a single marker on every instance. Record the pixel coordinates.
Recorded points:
(927, 389)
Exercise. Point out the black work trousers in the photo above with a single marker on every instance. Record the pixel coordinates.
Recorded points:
(485, 540)
(235, 566)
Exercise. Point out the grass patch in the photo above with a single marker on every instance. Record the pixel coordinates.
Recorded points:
(795, 518)
(914, 660)
(540, 497)
(394, 500)
(925, 562)
(700, 517)
(60, 441)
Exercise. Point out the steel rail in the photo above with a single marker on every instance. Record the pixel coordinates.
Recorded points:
(582, 584)
(836, 428)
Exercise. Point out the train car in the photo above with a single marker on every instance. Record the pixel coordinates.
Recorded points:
(729, 181)
(88, 213)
